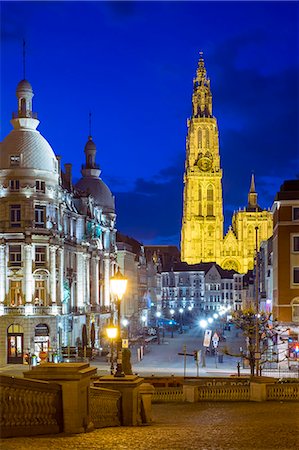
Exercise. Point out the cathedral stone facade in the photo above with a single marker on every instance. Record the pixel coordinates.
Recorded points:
(202, 238)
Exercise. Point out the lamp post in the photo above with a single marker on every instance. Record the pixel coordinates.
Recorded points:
(257, 336)
(112, 334)
(158, 315)
(181, 320)
(171, 322)
(118, 285)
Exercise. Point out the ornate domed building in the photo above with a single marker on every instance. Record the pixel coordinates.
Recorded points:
(57, 244)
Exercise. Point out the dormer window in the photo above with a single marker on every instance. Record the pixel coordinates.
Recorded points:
(40, 186)
(14, 185)
(14, 160)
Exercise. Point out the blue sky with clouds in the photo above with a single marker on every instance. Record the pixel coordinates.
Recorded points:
(131, 64)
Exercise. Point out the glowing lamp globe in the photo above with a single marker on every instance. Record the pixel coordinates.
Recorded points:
(203, 323)
(118, 284)
(111, 332)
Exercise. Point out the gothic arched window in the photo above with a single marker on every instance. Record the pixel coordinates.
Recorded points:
(210, 201)
(199, 138)
(199, 201)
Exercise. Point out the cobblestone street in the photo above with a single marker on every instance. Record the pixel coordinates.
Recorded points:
(205, 426)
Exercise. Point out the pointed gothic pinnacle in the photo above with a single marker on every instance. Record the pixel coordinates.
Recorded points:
(252, 184)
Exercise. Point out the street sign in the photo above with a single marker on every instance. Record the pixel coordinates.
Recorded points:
(215, 337)
(125, 343)
(207, 338)
(215, 340)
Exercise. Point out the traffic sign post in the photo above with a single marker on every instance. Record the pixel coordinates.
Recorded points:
(185, 354)
(215, 342)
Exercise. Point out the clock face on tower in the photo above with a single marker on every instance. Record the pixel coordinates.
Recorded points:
(204, 164)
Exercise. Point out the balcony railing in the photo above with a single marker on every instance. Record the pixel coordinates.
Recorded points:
(24, 114)
(36, 310)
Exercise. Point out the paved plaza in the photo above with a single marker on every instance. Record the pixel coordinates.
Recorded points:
(200, 426)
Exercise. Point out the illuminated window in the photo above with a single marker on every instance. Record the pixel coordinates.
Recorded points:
(14, 185)
(15, 160)
(15, 216)
(40, 186)
(39, 216)
(15, 256)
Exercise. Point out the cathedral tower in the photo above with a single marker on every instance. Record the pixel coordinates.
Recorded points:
(202, 225)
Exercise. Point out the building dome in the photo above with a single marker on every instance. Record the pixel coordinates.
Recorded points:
(90, 145)
(32, 148)
(23, 87)
(99, 191)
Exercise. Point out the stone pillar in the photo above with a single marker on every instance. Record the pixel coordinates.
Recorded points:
(53, 273)
(80, 279)
(95, 281)
(129, 387)
(75, 381)
(106, 279)
(61, 274)
(2, 272)
(28, 273)
(87, 279)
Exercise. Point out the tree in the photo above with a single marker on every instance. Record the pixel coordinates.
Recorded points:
(247, 321)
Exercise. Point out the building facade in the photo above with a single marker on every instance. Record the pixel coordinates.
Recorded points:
(203, 288)
(202, 237)
(286, 254)
(57, 243)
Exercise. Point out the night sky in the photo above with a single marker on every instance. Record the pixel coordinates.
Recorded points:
(132, 64)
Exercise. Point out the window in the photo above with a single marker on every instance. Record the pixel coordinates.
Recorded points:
(14, 185)
(15, 160)
(296, 275)
(210, 194)
(15, 216)
(40, 216)
(15, 256)
(40, 255)
(40, 186)
(295, 243)
(295, 213)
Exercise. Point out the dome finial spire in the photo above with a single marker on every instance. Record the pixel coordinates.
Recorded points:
(24, 59)
(90, 124)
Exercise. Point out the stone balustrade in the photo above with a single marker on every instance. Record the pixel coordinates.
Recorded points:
(29, 407)
(104, 407)
(286, 391)
(167, 394)
(223, 393)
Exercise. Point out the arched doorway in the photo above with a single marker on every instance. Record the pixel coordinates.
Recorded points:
(41, 339)
(15, 342)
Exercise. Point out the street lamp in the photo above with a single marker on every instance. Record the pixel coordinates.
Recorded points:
(112, 334)
(181, 319)
(118, 285)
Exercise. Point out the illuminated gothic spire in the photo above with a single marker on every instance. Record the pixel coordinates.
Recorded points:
(202, 97)
(252, 196)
